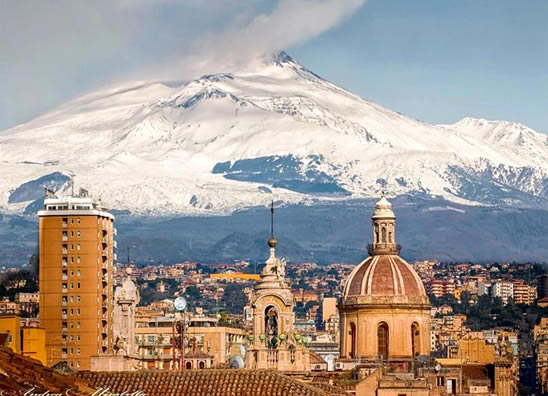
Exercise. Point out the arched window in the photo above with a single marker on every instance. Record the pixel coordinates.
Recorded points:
(415, 339)
(352, 340)
(202, 365)
(383, 234)
(188, 365)
(377, 233)
(389, 236)
(382, 340)
(271, 327)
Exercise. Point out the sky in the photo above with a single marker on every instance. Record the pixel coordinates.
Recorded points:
(435, 60)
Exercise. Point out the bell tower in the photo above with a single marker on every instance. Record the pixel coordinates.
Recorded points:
(384, 229)
(273, 342)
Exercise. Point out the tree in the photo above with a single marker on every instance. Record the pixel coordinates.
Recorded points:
(234, 298)
(192, 293)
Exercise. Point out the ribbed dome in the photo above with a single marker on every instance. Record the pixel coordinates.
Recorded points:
(384, 275)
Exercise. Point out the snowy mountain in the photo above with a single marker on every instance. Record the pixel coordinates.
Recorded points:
(230, 141)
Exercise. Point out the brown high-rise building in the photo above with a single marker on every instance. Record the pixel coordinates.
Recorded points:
(76, 267)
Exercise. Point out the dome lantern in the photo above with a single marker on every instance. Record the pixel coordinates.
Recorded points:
(384, 229)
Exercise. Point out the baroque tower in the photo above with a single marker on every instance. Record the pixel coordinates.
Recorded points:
(274, 343)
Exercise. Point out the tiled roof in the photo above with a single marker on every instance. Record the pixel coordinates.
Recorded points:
(202, 382)
(384, 275)
(316, 359)
(20, 373)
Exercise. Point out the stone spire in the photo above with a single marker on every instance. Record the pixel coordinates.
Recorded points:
(384, 229)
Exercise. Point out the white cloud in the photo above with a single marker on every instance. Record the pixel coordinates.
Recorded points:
(58, 49)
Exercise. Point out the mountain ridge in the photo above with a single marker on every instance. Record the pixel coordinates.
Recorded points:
(288, 134)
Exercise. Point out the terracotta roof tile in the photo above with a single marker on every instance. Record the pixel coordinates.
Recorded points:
(21, 373)
(202, 382)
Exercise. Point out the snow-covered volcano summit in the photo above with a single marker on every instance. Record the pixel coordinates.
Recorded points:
(233, 140)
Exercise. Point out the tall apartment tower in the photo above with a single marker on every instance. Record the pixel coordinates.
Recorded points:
(76, 285)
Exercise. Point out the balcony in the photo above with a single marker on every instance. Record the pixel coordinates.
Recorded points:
(105, 253)
(64, 330)
(64, 290)
(383, 248)
(64, 316)
(64, 224)
(65, 250)
(105, 265)
(64, 277)
(64, 303)
(105, 240)
(64, 263)
(64, 238)
(64, 355)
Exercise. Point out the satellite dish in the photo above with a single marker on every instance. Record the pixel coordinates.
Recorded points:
(242, 350)
(180, 303)
(236, 362)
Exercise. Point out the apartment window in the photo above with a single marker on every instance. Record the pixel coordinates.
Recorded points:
(71, 337)
(71, 351)
(77, 351)
(71, 246)
(77, 363)
(72, 311)
(78, 298)
(71, 285)
(78, 325)
(72, 259)
(78, 259)
(77, 338)
(71, 364)
(72, 233)
(78, 220)
(78, 234)
(78, 285)
(71, 298)
(78, 273)
(78, 246)
(72, 325)
(78, 311)
(71, 272)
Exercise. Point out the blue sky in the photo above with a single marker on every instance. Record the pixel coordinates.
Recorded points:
(441, 60)
(435, 60)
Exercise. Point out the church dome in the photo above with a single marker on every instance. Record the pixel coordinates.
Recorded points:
(384, 275)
